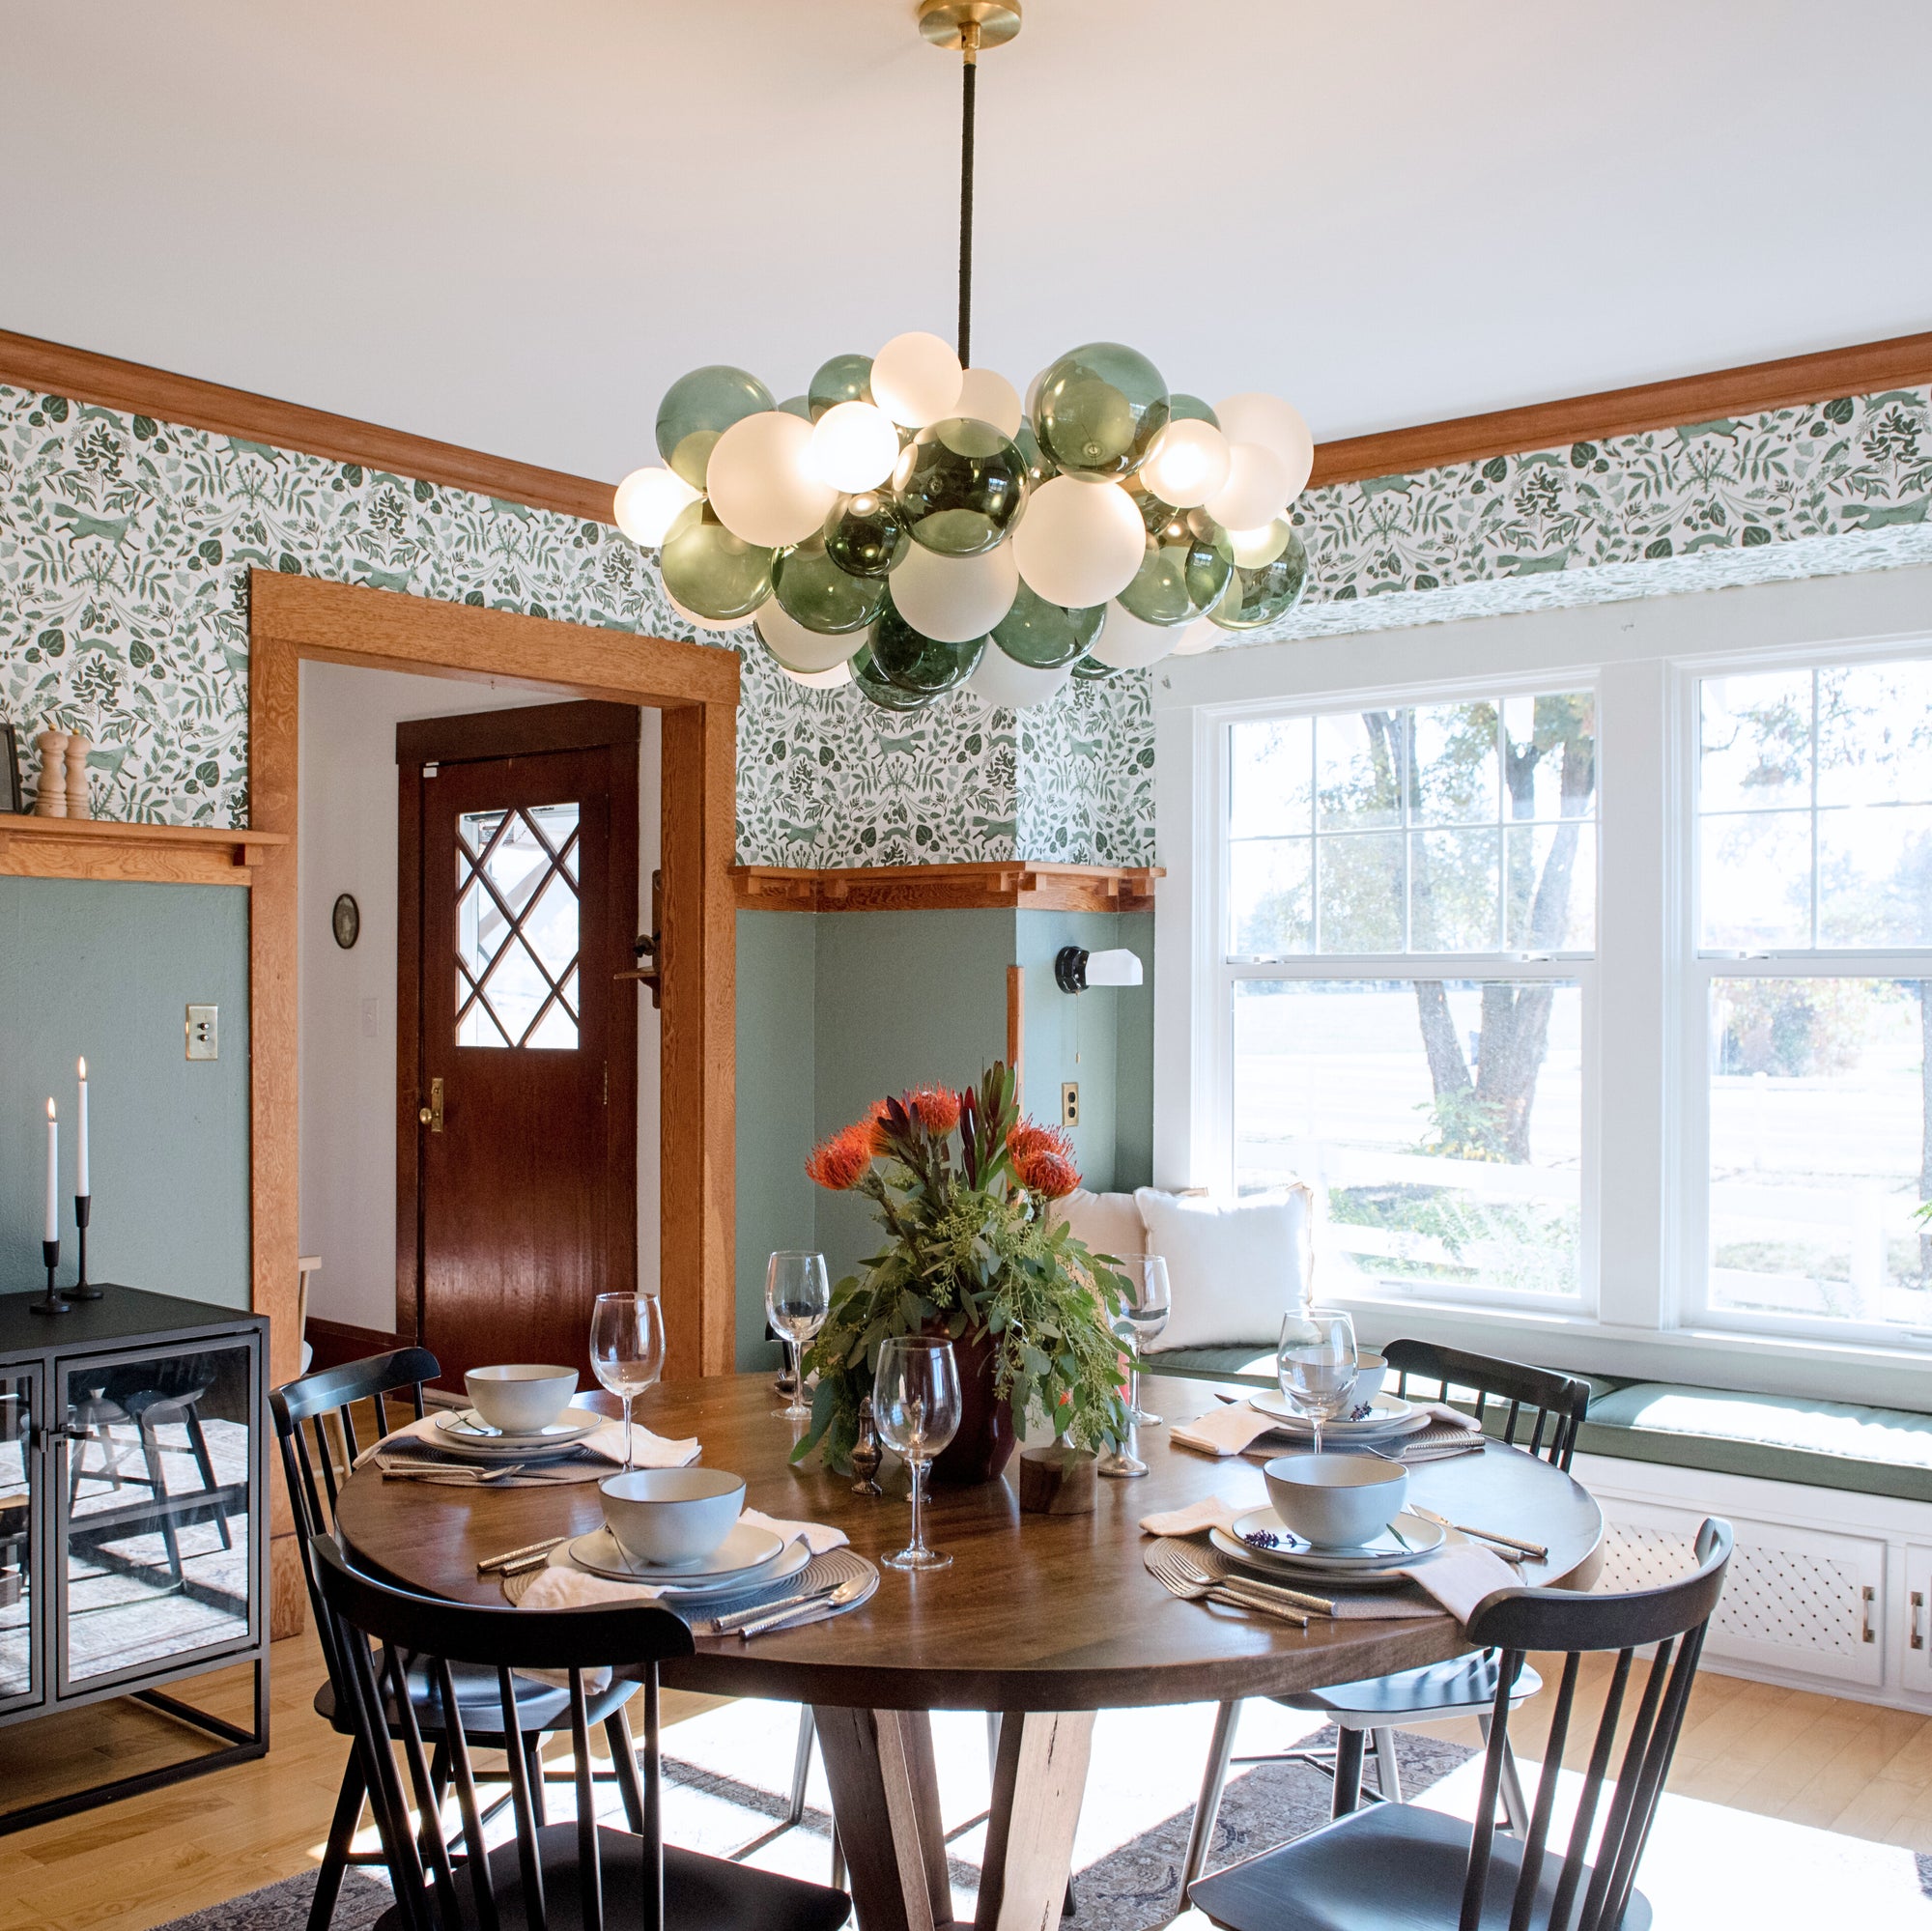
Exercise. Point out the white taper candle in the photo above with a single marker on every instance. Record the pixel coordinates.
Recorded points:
(80, 1185)
(53, 1175)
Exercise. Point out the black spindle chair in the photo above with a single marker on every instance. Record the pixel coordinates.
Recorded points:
(1536, 1409)
(305, 1413)
(576, 1876)
(1398, 1868)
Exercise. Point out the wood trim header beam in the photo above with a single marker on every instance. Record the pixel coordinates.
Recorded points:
(1007, 885)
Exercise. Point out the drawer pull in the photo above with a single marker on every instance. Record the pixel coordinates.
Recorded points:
(1866, 1597)
(1918, 1609)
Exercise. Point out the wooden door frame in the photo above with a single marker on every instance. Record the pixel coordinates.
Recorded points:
(696, 688)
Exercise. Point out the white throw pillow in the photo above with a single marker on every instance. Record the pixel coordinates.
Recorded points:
(1109, 1223)
(1236, 1266)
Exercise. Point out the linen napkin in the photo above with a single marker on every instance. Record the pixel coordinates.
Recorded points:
(415, 1452)
(1227, 1431)
(1195, 1519)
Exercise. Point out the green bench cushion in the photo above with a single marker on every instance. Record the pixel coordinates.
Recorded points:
(1776, 1437)
(1250, 1364)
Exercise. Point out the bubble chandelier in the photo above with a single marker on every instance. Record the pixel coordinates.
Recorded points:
(909, 524)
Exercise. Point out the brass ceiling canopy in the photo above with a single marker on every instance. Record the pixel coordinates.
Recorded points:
(969, 24)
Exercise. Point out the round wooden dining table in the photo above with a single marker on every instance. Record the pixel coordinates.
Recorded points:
(1045, 1619)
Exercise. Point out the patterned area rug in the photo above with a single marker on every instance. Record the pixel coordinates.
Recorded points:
(1134, 1888)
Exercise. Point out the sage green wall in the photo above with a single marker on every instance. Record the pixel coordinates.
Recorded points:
(105, 969)
(836, 1008)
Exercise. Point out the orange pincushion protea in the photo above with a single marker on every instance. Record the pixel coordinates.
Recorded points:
(837, 1164)
(936, 1108)
(1042, 1156)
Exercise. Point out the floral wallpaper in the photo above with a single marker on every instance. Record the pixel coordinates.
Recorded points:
(125, 545)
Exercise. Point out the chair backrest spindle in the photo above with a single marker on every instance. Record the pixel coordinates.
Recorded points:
(1539, 1403)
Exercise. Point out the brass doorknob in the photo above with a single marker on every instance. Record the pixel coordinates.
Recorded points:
(422, 1114)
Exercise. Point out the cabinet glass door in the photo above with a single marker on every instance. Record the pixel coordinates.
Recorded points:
(19, 1671)
(160, 1463)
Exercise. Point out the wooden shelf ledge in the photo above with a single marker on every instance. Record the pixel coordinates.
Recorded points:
(1006, 885)
(138, 854)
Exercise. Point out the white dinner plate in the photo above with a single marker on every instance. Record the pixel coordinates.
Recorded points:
(746, 1553)
(1390, 1414)
(1383, 1553)
(462, 1433)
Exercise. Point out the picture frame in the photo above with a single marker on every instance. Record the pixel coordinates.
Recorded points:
(11, 799)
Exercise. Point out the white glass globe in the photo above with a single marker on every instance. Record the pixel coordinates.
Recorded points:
(1008, 685)
(954, 599)
(1078, 543)
(915, 380)
(760, 481)
(1257, 418)
(1202, 634)
(648, 501)
(697, 622)
(986, 396)
(820, 680)
(796, 648)
(1256, 489)
(854, 447)
(1187, 464)
(1129, 645)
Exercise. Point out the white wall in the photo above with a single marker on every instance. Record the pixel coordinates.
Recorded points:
(347, 842)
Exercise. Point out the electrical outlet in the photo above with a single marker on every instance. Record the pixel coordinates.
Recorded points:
(1070, 1103)
(204, 1040)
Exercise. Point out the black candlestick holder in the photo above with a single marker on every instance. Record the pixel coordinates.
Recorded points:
(83, 1211)
(54, 1304)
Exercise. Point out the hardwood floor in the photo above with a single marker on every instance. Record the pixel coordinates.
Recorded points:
(1780, 1753)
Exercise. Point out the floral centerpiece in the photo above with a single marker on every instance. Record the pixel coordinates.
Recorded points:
(962, 1185)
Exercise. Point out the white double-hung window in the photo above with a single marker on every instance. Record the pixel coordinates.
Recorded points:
(1403, 1010)
(1811, 968)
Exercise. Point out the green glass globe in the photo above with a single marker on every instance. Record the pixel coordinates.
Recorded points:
(814, 591)
(918, 664)
(1090, 671)
(962, 486)
(1038, 468)
(1184, 572)
(1043, 635)
(1260, 593)
(1099, 409)
(709, 570)
(1184, 408)
(798, 405)
(697, 409)
(843, 379)
(866, 535)
(887, 696)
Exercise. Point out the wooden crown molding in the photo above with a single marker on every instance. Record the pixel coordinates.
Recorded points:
(1009, 885)
(136, 854)
(29, 363)
(1904, 361)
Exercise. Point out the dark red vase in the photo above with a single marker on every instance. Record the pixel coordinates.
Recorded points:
(985, 1442)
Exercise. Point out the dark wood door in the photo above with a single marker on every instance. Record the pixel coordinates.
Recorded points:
(525, 1195)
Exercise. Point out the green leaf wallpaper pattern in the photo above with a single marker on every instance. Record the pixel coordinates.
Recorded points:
(125, 545)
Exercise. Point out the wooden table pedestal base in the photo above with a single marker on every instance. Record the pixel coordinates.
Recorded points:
(884, 1794)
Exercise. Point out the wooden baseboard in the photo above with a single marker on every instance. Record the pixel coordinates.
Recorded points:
(335, 1341)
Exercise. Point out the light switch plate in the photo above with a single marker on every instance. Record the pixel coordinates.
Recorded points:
(1070, 1103)
(203, 1038)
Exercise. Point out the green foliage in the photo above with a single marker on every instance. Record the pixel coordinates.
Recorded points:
(972, 1250)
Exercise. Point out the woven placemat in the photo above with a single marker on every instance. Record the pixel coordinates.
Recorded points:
(822, 1571)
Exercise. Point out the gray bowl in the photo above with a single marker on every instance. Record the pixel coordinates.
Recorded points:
(520, 1397)
(1336, 1501)
(665, 1516)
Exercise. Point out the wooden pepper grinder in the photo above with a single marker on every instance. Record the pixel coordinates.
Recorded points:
(867, 1453)
(78, 804)
(51, 803)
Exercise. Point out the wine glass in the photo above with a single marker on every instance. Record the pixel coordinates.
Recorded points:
(915, 1403)
(1148, 1302)
(1315, 1363)
(797, 1297)
(627, 1348)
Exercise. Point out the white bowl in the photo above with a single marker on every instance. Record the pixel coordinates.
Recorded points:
(520, 1397)
(1371, 1372)
(671, 1516)
(1336, 1500)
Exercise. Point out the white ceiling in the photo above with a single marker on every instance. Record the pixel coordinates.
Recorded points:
(511, 226)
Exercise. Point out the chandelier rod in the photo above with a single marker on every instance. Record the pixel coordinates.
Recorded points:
(969, 53)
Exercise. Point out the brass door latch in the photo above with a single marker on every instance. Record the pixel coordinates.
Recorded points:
(431, 1116)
